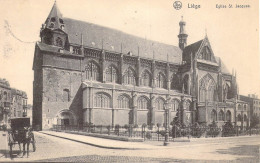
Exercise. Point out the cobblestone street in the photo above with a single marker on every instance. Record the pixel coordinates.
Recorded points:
(237, 149)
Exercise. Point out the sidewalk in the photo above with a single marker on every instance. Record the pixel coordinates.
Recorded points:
(100, 142)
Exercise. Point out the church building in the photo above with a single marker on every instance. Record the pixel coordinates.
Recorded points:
(87, 73)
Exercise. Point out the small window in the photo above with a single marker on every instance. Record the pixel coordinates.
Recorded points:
(59, 42)
(51, 25)
(66, 95)
(53, 19)
(62, 27)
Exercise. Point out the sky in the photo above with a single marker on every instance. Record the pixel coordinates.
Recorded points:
(232, 32)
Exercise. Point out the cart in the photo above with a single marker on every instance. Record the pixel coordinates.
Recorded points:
(20, 132)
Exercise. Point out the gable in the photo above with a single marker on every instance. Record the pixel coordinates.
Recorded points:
(205, 51)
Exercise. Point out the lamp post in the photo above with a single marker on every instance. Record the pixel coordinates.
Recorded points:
(166, 108)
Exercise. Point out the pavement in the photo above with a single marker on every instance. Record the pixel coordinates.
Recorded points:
(148, 145)
(100, 142)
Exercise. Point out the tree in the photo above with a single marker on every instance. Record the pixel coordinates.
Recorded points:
(255, 121)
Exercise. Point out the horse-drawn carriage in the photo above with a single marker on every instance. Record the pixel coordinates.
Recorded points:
(20, 132)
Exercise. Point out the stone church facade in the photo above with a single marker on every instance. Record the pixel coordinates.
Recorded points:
(86, 73)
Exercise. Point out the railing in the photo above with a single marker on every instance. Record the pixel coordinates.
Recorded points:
(158, 133)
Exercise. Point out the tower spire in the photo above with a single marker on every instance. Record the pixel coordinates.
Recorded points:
(54, 20)
(182, 34)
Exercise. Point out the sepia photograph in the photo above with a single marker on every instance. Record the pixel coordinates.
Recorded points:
(129, 81)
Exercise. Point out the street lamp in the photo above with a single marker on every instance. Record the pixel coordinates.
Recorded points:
(166, 140)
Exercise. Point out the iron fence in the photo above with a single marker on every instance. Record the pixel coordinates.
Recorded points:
(158, 133)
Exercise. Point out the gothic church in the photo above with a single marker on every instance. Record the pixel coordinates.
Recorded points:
(86, 73)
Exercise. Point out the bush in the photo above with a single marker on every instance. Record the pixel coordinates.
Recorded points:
(148, 135)
(228, 130)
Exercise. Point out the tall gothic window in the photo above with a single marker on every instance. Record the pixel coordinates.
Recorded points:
(175, 82)
(123, 102)
(239, 118)
(5, 96)
(92, 72)
(111, 74)
(101, 100)
(146, 79)
(174, 105)
(59, 42)
(159, 104)
(213, 116)
(245, 117)
(202, 96)
(228, 116)
(129, 76)
(186, 83)
(142, 103)
(207, 89)
(221, 115)
(160, 81)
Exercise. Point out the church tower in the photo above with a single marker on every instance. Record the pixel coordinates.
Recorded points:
(53, 30)
(182, 34)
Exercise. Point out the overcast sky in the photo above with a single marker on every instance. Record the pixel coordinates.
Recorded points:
(233, 33)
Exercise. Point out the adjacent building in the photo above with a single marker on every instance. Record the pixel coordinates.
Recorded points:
(87, 73)
(13, 102)
(254, 104)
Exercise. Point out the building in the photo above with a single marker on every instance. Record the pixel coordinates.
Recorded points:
(254, 103)
(19, 103)
(86, 73)
(5, 100)
(13, 102)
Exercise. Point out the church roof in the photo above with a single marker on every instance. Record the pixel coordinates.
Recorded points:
(222, 66)
(192, 48)
(96, 36)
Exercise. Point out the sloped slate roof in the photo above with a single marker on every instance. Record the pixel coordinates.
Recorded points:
(222, 66)
(192, 48)
(97, 36)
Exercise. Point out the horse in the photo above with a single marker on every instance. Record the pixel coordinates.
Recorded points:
(24, 137)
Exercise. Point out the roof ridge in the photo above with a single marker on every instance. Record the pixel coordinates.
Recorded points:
(118, 30)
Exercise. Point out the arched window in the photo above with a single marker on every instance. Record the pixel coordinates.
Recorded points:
(129, 77)
(203, 90)
(206, 54)
(59, 42)
(159, 104)
(142, 103)
(66, 95)
(221, 115)
(211, 92)
(244, 107)
(207, 89)
(185, 83)
(102, 100)
(239, 118)
(245, 118)
(228, 116)
(123, 102)
(146, 79)
(160, 81)
(111, 74)
(92, 71)
(5, 96)
(213, 116)
(175, 84)
(174, 105)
